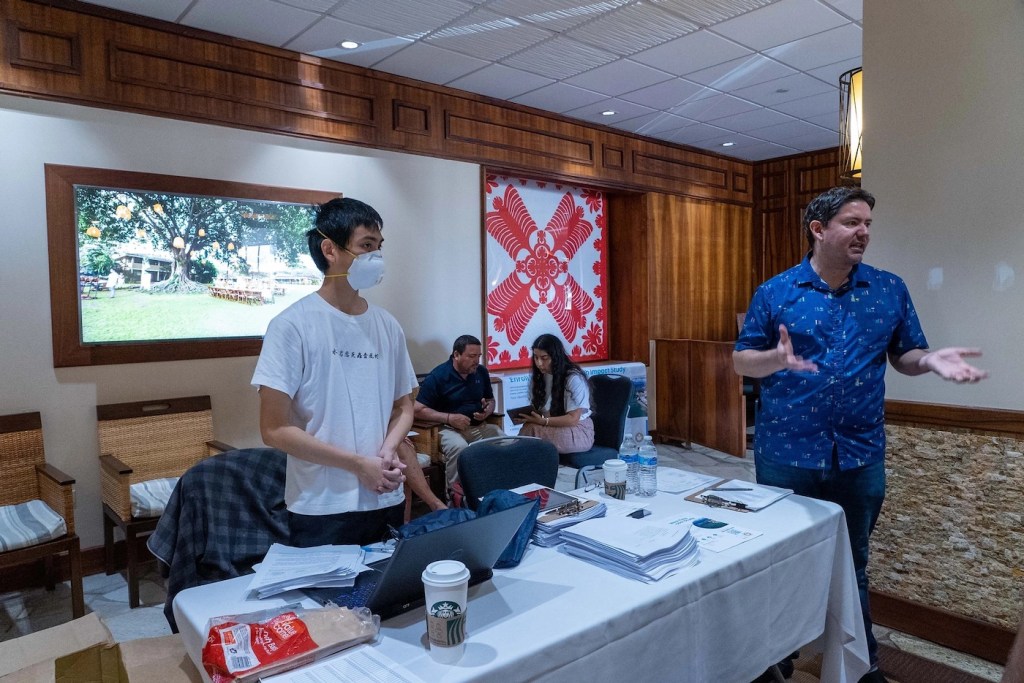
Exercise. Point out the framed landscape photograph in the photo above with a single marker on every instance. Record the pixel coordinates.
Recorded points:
(147, 267)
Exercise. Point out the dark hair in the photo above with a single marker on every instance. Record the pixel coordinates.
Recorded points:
(337, 220)
(462, 342)
(561, 367)
(826, 205)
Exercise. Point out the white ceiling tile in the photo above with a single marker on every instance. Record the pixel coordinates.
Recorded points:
(779, 23)
(784, 90)
(654, 125)
(409, 18)
(854, 9)
(830, 121)
(739, 73)
(819, 139)
(784, 132)
(668, 94)
(632, 28)
(500, 81)
(689, 135)
(714, 107)
(559, 97)
(168, 10)
(765, 150)
(319, 6)
(832, 72)
(278, 23)
(327, 33)
(556, 15)
(487, 35)
(428, 63)
(820, 49)
(690, 53)
(825, 103)
(560, 58)
(710, 12)
(618, 77)
(755, 118)
(623, 111)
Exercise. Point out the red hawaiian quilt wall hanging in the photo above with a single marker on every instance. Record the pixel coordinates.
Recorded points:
(546, 265)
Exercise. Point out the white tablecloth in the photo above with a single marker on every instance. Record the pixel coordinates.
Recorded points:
(557, 618)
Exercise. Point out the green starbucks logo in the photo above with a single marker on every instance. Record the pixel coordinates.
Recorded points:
(446, 609)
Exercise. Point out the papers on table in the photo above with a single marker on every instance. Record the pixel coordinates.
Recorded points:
(327, 566)
(550, 523)
(679, 481)
(358, 664)
(740, 495)
(637, 549)
(714, 535)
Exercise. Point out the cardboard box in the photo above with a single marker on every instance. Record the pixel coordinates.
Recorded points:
(84, 651)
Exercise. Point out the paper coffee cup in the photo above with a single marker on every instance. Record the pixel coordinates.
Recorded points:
(446, 586)
(615, 478)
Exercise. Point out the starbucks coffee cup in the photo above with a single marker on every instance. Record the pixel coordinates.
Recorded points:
(445, 586)
(615, 478)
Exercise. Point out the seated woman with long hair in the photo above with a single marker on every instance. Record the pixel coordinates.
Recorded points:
(560, 398)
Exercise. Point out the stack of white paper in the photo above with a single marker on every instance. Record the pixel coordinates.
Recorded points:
(636, 549)
(327, 566)
(547, 533)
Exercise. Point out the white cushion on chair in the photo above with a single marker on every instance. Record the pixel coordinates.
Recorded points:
(28, 524)
(423, 459)
(149, 498)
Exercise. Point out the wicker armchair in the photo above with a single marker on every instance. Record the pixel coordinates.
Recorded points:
(27, 477)
(143, 442)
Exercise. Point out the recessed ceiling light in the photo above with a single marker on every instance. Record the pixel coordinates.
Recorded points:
(348, 44)
(728, 144)
(609, 112)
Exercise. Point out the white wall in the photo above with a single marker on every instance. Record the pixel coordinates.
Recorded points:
(944, 154)
(432, 231)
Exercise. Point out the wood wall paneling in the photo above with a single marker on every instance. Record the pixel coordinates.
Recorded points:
(717, 405)
(628, 278)
(701, 256)
(673, 382)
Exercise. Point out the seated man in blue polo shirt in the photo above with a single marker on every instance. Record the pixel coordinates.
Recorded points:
(458, 394)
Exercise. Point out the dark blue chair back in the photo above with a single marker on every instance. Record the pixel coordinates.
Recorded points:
(609, 404)
(505, 462)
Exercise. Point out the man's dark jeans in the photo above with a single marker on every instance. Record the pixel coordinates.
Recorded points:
(859, 492)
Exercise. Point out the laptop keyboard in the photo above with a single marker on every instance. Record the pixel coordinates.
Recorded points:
(359, 594)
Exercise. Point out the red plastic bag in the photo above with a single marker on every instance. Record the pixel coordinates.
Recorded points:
(233, 648)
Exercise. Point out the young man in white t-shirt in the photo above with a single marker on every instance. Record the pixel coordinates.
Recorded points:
(335, 383)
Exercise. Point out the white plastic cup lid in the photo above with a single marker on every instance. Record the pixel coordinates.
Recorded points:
(445, 573)
(615, 464)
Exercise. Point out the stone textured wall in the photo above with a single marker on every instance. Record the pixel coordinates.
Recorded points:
(951, 532)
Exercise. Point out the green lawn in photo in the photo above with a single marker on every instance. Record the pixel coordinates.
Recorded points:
(132, 315)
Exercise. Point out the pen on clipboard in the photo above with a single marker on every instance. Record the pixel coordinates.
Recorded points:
(732, 489)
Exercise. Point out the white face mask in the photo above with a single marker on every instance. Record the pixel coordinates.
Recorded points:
(367, 270)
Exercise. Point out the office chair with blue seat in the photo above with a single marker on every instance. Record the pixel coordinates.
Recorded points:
(609, 402)
(505, 462)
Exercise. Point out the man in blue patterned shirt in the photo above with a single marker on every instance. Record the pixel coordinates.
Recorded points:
(818, 336)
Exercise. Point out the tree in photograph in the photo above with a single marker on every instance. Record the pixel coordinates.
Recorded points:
(194, 230)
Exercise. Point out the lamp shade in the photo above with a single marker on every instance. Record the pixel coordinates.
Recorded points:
(851, 123)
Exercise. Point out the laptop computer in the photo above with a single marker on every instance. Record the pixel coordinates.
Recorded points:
(394, 585)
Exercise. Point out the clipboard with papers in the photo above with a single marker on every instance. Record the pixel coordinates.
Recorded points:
(743, 496)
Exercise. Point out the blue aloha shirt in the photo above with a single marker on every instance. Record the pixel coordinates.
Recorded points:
(848, 334)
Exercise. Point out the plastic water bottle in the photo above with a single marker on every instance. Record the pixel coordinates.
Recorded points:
(648, 457)
(628, 454)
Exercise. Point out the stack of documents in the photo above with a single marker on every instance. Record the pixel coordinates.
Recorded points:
(547, 531)
(636, 549)
(326, 566)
